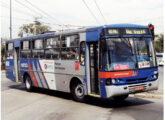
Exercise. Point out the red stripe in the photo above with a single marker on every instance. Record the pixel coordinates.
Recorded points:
(115, 74)
(32, 75)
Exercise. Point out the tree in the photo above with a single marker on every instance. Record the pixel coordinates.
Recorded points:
(33, 28)
(158, 44)
(3, 53)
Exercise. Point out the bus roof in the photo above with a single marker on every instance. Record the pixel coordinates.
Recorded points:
(119, 26)
(91, 28)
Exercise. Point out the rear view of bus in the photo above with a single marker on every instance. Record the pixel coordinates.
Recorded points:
(127, 61)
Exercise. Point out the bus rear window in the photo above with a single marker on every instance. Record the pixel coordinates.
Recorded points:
(10, 46)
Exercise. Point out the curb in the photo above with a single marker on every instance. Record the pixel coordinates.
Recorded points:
(3, 71)
(148, 95)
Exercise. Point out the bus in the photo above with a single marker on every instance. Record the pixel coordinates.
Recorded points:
(109, 61)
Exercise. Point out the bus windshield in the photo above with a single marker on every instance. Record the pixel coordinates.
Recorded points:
(129, 53)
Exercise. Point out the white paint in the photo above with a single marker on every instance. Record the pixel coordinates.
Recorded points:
(49, 66)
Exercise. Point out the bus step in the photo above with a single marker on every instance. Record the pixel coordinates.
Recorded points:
(94, 95)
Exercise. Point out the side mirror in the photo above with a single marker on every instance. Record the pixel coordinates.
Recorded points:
(103, 45)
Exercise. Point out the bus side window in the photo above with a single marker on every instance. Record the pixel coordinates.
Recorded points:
(25, 49)
(52, 50)
(9, 51)
(70, 45)
(82, 53)
(38, 49)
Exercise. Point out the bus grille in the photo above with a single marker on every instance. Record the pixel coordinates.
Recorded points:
(136, 80)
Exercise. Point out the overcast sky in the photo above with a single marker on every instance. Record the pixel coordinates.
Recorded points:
(74, 12)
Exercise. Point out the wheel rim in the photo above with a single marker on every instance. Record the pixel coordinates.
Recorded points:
(28, 85)
(79, 91)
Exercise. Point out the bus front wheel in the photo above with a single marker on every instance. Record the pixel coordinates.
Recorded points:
(78, 92)
(28, 84)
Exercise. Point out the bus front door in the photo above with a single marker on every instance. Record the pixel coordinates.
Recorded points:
(93, 67)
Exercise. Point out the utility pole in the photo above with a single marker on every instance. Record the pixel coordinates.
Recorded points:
(35, 21)
(10, 20)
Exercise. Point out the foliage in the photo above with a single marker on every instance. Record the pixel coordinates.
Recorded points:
(3, 46)
(33, 28)
(2, 50)
(158, 44)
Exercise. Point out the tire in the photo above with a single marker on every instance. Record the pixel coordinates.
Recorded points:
(120, 98)
(78, 92)
(28, 84)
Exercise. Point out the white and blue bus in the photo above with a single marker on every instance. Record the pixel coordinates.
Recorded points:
(109, 61)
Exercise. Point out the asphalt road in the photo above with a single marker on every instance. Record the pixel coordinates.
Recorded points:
(17, 104)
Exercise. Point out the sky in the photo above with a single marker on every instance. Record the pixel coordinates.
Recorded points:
(74, 12)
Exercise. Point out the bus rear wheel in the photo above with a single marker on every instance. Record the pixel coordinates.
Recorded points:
(28, 84)
(78, 92)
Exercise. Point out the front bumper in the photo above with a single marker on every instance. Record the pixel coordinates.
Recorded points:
(128, 89)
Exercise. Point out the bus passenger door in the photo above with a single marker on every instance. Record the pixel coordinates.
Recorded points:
(92, 67)
(16, 61)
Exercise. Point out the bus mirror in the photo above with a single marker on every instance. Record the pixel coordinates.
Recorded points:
(103, 45)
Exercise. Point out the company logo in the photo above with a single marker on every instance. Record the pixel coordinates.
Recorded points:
(45, 66)
(25, 65)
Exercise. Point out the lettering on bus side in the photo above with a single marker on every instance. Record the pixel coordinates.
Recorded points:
(57, 63)
(24, 65)
(7, 63)
(58, 66)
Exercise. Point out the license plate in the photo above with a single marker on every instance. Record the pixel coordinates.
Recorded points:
(137, 88)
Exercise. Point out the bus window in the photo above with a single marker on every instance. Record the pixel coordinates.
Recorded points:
(82, 53)
(38, 44)
(25, 50)
(70, 47)
(53, 42)
(52, 53)
(38, 51)
(52, 50)
(9, 51)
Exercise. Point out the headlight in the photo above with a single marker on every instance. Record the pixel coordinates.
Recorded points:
(155, 72)
(110, 81)
(113, 80)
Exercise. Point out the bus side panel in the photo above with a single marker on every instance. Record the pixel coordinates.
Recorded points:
(23, 69)
(29, 66)
(65, 70)
(9, 66)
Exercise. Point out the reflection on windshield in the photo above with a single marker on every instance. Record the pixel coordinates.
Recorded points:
(123, 53)
(145, 52)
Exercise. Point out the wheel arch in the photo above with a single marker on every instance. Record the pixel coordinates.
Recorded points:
(76, 79)
(24, 76)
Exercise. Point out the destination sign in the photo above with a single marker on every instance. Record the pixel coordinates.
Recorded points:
(113, 31)
(135, 31)
(126, 31)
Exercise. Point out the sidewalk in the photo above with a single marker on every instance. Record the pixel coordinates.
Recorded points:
(3, 71)
(151, 94)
